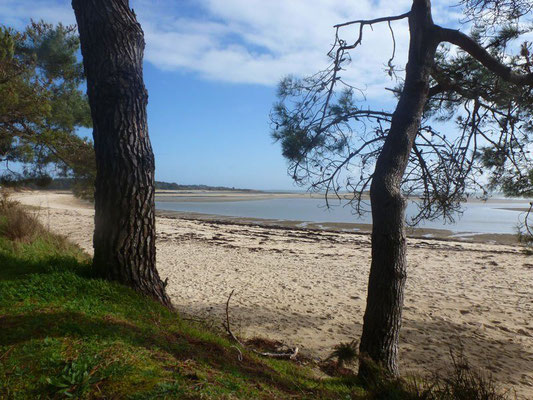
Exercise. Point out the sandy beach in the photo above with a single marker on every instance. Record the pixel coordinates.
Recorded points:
(308, 287)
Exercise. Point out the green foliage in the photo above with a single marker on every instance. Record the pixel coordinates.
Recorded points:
(297, 125)
(42, 104)
(326, 135)
(496, 11)
(75, 379)
(494, 116)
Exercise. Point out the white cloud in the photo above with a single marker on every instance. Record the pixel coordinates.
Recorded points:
(17, 13)
(257, 41)
(253, 41)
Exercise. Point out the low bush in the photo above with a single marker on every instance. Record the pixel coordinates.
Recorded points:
(16, 223)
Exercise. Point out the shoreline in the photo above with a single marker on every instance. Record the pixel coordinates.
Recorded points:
(199, 195)
(63, 199)
(363, 228)
(344, 227)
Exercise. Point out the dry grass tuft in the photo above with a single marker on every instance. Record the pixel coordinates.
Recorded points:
(464, 382)
(460, 381)
(15, 222)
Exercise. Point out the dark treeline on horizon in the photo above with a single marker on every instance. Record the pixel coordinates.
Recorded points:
(69, 183)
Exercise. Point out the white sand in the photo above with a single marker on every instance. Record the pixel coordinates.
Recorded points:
(309, 288)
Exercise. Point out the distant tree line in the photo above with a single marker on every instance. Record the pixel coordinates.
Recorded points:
(77, 187)
(175, 186)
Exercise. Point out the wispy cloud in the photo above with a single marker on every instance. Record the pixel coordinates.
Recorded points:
(252, 41)
(257, 41)
(17, 13)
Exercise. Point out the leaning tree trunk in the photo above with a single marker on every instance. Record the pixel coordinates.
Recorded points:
(112, 46)
(382, 320)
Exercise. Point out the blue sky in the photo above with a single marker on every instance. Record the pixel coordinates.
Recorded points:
(211, 69)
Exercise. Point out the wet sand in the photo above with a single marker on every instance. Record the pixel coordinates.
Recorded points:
(339, 227)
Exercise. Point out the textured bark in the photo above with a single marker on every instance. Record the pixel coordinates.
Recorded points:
(112, 46)
(382, 319)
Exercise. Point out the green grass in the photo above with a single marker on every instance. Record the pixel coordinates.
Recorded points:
(65, 334)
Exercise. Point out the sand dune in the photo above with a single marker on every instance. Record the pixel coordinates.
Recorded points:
(308, 288)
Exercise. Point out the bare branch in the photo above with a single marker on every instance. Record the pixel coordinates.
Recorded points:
(292, 355)
(374, 21)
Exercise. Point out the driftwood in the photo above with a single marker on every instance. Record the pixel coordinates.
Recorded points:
(292, 355)
(240, 352)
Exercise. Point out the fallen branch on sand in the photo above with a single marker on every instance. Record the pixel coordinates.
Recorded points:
(291, 355)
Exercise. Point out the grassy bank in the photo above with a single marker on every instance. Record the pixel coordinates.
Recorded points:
(66, 334)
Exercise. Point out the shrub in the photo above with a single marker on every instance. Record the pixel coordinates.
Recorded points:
(16, 223)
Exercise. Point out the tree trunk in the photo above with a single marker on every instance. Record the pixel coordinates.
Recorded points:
(112, 46)
(382, 320)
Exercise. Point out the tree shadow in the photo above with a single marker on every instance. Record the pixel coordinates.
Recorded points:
(19, 329)
(427, 345)
(14, 267)
(424, 345)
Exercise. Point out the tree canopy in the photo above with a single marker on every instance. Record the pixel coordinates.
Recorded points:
(42, 105)
(474, 136)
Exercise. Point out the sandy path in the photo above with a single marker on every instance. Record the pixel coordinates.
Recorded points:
(309, 288)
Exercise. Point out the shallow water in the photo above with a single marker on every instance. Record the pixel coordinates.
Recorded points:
(477, 217)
